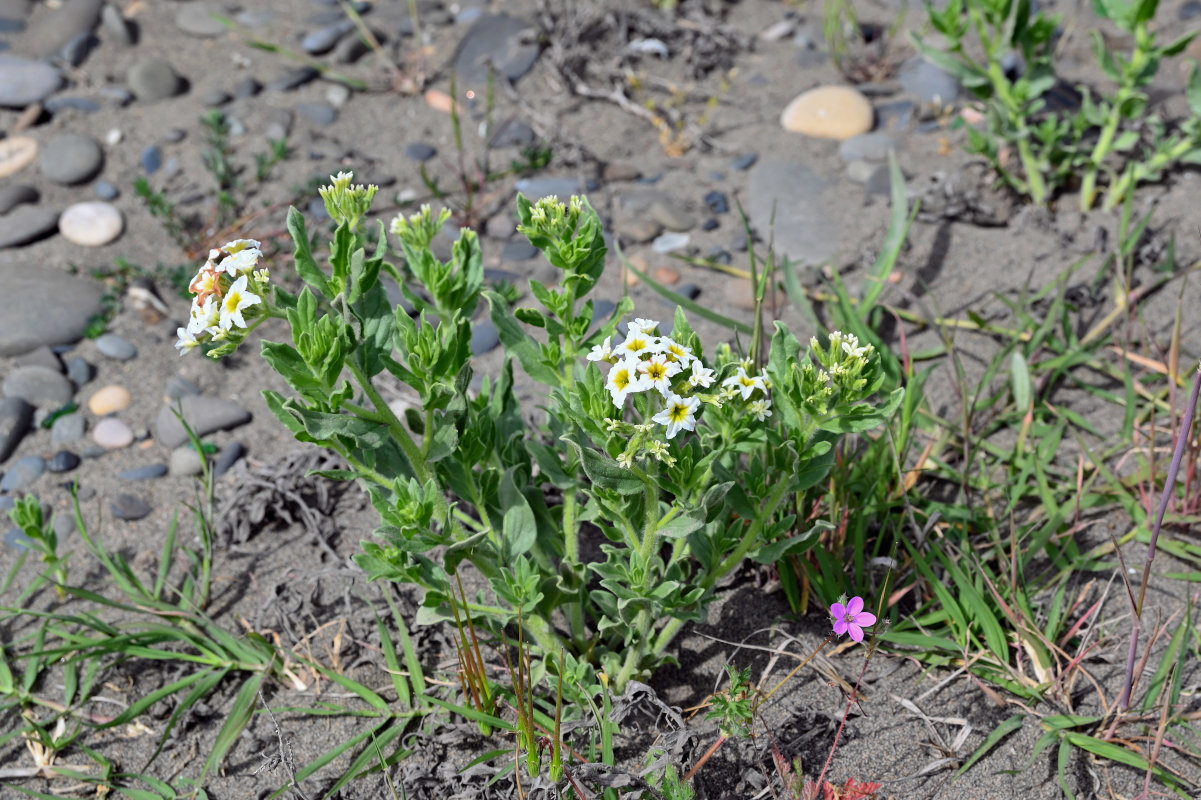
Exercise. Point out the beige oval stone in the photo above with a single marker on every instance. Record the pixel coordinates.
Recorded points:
(92, 223)
(16, 153)
(829, 112)
(109, 400)
(668, 276)
(439, 101)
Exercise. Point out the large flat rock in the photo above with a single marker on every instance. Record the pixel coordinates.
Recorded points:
(42, 305)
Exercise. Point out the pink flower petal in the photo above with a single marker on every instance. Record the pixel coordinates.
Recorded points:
(866, 619)
(855, 606)
(838, 611)
(840, 626)
(856, 632)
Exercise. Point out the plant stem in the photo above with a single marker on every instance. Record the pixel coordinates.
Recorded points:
(1034, 176)
(1088, 186)
(399, 433)
(1169, 491)
(749, 539)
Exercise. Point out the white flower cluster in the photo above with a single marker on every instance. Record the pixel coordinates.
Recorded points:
(645, 362)
(227, 288)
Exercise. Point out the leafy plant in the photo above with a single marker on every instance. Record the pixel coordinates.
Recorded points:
(1016, 70)
(1001, 28)
(1121, 116)
(672, 516)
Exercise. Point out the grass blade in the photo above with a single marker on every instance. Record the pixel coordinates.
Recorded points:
(1000, 732)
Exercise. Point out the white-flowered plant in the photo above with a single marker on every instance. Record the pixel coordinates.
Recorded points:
(673, 466)
(230, 298)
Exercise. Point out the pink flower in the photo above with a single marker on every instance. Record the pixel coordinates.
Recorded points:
(851, 618)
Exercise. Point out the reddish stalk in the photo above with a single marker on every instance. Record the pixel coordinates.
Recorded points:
(1169, 491)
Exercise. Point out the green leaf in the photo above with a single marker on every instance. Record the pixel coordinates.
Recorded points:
(519, 528)
(792, 545)
(604, 471)
(1000, 732)
(235, 721)
(680, 526)
(1194, 90)
(302, 256)
(517, 342)
(683, 302)
(1019, 381)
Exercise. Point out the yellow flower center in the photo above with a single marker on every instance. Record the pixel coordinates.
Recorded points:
(679, 412)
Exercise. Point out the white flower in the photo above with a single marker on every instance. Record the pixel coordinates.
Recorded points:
(205, 283)
(602, 351)
(203, 316)
(242, 256)
(644, 325)
(623, 379)
(237, 298)
(701, 375)
(745, 383)
(657, 371)
(625, 460)
(677, 351)
(680, 414)
(187, 342)
(851, 347)
(760, 409)
(636, 342)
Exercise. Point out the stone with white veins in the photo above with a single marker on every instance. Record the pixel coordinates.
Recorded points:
(92, 223)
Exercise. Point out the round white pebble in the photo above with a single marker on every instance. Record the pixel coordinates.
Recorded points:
(91, 224)
(112, 434)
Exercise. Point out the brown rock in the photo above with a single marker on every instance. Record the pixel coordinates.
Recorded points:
(620, 171)
(641, 230)
(668, 276)
(829, 112)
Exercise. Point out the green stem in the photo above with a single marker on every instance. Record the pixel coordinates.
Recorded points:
(1132, 175)
(1088, 186)
(399, 432)
(1034, 177)
(650, 529)
(730, 562)
(642, 623)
